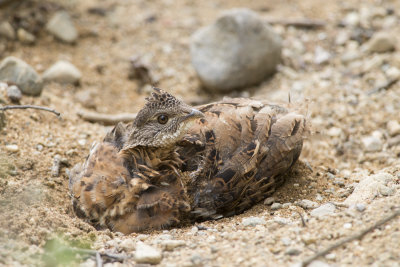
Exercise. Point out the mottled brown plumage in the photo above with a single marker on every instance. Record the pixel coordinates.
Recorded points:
(175, 163)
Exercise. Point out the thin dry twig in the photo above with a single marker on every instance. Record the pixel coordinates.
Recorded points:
(299, 23)
(107, 119)
(31, 106)
(384, 86)
(351, 238)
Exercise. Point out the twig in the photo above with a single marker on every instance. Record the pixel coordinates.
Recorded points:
(351, 238)
(384, 86)
(107, 119)
(99, 261)
(303, 222)
(300, 23)
(31, 106)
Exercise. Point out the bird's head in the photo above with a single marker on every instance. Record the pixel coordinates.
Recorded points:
(161, 122)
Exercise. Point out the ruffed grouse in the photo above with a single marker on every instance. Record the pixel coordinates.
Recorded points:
(175, 163)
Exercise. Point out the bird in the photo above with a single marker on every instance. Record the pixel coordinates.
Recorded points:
(177, 164)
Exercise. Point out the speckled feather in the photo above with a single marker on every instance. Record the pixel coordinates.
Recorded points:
(194, 169)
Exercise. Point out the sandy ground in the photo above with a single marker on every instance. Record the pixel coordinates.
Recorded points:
(35, 207)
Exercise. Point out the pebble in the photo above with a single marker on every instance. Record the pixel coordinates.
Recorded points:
(352, 19)
(7, 31)
(372, 143)
(12, 148)
(307, 204)
(324, 210)
(293, 251)
(393, 73)
(147, 254)
(360, 207)
(62, 27)
(347, 226)
(170, 245)
(318, 264)
(62, 72)
(321, 56)
(127, 245)
(25, 37)
(269, 200)
(237, 51)
(253, 221)
(17, 71)
(330, 256)
(386, 191)
(276, 206)
(393, 127)
(367, 188)
(381, 42)
(13, 93)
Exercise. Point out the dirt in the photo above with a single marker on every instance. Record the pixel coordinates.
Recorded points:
(35, 206)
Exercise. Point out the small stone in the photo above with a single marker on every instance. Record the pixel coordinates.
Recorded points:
(393, 73)
(293, 251)
(276, 206)
(194, 230)
(82, 142)
(367, 188)
(62, 72)
(196, 260)
(321, 56)
(62, 27)
(13, 93)
(324, 210)
(347, 226)
(372, 143)
(386, 191)
(25, 37)
(127, 245)
(381, 42)
(86, 98)
(339, 182)
(350, 56)
(307, 204)
(360, 207)
(7, 31)
(12, 148)
(147, 254)
(352, 19)
(318, 264)
(335, 132)
(17, 71)
(253, 221)
(170, 245)
(330, 256)
(269, 200)
(237, 51)
(393, 127)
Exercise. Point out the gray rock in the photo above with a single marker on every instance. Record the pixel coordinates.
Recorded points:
(25, 37)
(386, 191)
(17, 71)
(372, 143)
(127, 245)
(321, 56)
(13, 93)
(7, 31)
(146, 254)
(269, 200)
(381, 42)
(307, 204)
(253, 221)
(170, 245)
(324, 210)
(293, 251)
(276, 206)
(62, 72)
(238, 50)
(368, 188)
(360, 207)
(393, 127)
(62, 27)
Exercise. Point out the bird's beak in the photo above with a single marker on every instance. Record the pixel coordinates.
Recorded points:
(194, 114)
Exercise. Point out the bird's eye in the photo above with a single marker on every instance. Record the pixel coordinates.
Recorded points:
(162, 119)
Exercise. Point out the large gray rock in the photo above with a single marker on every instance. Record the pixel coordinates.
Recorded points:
(62, 72)
(62, 27)
(238, 50)
(17, 71)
